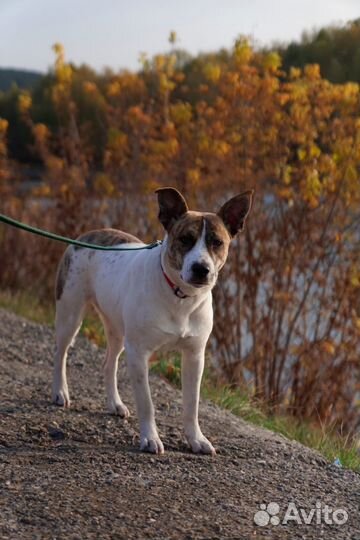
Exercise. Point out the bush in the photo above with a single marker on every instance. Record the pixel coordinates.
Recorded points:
(287, 319)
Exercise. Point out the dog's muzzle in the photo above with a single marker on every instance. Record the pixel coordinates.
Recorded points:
(200, 274)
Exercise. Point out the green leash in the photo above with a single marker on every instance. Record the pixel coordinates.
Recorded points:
(46, 234)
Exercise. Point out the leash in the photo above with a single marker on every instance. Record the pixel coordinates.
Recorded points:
(53, 236)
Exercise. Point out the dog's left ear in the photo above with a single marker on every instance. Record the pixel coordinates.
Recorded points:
(172, 206)
(235, 211)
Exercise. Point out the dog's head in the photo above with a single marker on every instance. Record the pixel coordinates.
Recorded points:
(198, 242)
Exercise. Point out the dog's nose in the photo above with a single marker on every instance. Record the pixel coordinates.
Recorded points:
(200, 270)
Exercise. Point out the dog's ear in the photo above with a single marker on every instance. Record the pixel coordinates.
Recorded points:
(235, 211)
(172, 206)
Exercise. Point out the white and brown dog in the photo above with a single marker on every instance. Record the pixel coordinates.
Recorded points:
(149, 300)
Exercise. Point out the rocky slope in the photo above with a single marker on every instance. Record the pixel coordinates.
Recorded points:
(77, 474)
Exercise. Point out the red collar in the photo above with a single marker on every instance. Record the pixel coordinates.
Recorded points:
(176, 290)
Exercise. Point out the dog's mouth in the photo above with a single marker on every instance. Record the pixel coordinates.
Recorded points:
(197, 283)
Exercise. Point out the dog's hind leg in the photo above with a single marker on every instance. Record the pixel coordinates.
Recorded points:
(115, 346)
(69, 315)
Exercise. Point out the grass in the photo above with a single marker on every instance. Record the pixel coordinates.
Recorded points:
(29, 306)
(325, 439)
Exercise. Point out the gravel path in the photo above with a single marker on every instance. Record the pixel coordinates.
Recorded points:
(77, 474)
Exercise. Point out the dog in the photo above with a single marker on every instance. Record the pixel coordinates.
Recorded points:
(148, 300)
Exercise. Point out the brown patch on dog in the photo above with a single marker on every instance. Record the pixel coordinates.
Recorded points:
(189, 226)
(100, 237)
(62, 273)
(106, 237)
(187, 230)
(217, 239)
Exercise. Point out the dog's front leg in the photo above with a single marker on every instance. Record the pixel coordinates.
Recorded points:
(192, 369)
(137, 361)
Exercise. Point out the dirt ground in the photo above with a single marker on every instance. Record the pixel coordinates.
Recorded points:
(77, 474)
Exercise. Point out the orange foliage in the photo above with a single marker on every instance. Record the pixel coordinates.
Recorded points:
(287, 305)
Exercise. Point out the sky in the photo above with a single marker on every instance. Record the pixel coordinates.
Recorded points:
(112, 33)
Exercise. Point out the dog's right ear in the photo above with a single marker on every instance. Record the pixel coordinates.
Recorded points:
(172, 206)
(235, 211)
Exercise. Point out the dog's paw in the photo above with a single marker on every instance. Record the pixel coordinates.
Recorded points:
(152, 445)
(117, 408)
(61, 398)
(201, 445)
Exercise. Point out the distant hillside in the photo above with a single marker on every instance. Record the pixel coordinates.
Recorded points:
(335, 48)
(22, 78)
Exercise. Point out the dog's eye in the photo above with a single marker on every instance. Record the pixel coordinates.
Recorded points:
(187, 240)
(216, 242)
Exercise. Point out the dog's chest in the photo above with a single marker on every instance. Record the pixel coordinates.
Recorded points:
(178, 325)
(174, 332)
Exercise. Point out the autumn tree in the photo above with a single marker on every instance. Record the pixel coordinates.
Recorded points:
(287, 325)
